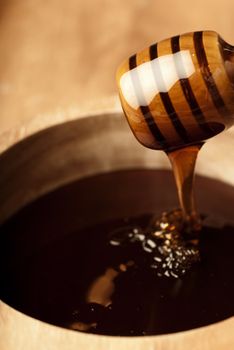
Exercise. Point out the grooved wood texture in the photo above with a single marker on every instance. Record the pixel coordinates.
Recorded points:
(178, 91)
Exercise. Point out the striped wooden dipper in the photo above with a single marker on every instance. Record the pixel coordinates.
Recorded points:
(179, 91)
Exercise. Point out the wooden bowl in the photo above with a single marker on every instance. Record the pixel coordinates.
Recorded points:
(38, 157)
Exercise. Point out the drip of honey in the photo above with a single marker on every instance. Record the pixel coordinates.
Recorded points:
(183, 164)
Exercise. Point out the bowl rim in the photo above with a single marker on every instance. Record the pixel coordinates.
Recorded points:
(215, 336)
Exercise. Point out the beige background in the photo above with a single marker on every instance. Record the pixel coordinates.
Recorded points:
(60, 56)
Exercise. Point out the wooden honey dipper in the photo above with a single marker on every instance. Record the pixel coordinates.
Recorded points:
(176, 94)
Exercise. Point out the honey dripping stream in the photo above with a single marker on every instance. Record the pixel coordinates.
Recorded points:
(170, 243)
(183, 161)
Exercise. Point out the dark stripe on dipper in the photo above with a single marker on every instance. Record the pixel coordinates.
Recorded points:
(206, 73)
(146, 111)
(132, 62)
(180, 129)
(187, 90)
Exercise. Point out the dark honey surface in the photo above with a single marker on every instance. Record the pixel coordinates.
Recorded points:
(57, 262)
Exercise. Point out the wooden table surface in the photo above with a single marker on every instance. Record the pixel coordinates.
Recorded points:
(60, 57)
